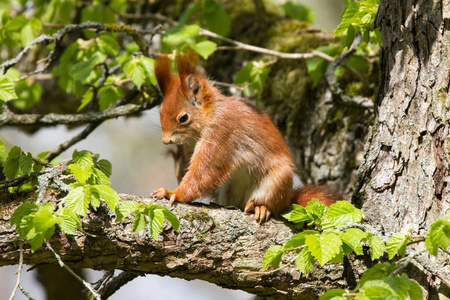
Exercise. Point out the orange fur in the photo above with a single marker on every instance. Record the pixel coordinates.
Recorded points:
(235, 152)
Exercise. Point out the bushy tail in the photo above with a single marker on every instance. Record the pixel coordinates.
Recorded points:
(323, 193)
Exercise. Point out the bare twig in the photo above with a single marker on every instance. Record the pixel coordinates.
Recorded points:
(16, 181)
(7, 117)
(116, 283)
(25, 292)
(63, 265)
(18, 272)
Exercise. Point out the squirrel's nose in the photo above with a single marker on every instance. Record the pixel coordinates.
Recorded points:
(167, 140)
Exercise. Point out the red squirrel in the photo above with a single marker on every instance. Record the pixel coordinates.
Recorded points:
(232, 149)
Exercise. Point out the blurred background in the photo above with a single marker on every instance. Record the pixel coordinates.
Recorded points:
(146, 168)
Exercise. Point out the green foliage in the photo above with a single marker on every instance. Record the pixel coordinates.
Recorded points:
(317, 66)
(397, 244)
(273, 257)
(253, 75)
(140, 70)
(17, 163)
(150, 214)
(359, 16)
(438, 235)
(187, 36)
(298, 11)
(7, 91)
(210, 14)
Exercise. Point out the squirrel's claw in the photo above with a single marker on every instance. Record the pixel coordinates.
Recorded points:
(173, 199)
(262, 213)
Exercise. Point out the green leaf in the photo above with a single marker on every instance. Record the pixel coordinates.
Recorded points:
(305, 261)
(352, 237)
(30, 31)
(148, 65)
(100, 178)
(82, 71)
(69, 221)
(108, 195)
(415, 291)
(172, 218)
(108, 96)
(299, 12)
(298, 240)
(135, 72)
(180, 35)
(215, 17)
(378, 271)
(126, 208)
(107, 44)
(11, 167)
(297, 214)
(377, 247)
(87, 98)
(438, 235)
(81, 172)
(105, 166)
(7, 91)
(273, 257)
(139, 222)
(324, 247)
(78, 200)
(83, 157)
(333, 294)
(316, 209)
(156, 223)
(22, 211)
(205, 48)
(44, 219)
(342, 213)
(28, 94)
(397, 244)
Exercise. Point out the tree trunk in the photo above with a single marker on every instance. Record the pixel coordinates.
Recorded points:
(405, 174)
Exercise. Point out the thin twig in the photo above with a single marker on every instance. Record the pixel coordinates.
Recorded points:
(18, 272)
(63, 265)
(116, 283)
(25, 292)
(16, 181)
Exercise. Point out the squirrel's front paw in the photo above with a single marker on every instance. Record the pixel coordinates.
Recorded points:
(160, 193)
(262, 213)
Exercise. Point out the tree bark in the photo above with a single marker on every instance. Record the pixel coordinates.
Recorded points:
(405, 174)
(219, 245)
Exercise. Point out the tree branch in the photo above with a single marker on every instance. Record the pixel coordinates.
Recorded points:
(7, 117)
(222, 246)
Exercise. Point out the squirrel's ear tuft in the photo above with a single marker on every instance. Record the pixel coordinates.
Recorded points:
(163, 73)
(187, 62)
(194, 88)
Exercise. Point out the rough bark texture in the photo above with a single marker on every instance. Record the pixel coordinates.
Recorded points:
(404, 182)
(219, 245)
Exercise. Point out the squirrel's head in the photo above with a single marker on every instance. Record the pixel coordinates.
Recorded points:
(187, 98)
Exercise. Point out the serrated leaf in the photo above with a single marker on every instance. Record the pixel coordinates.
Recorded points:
(297, 214)
(83, 157)
(180, 35)
(305, 261)
(273, 257)
(397, 244)
(438, 236)
(69, 221)
(86, 98)
(105, 166)
(298, 239)
(30, 31)
(156, 223)
(78, 201)
(94, 197)
(108, 96)
(172, 218)
(125, 208)
(81, 172)
(415, 291)
(324, 247)
(316, 209)
(342, 213)
(379, 271)
(81, 71)
(148, 65)
(108, 195)
(135, 72)
(205, 48)
(353, 241)
(22, 211)
(7, 91)
(138, 222)
(100, 178)
(44, 219)
(107, 44)
(377, 247)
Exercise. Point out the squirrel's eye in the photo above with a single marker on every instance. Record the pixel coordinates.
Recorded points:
(183, 119)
